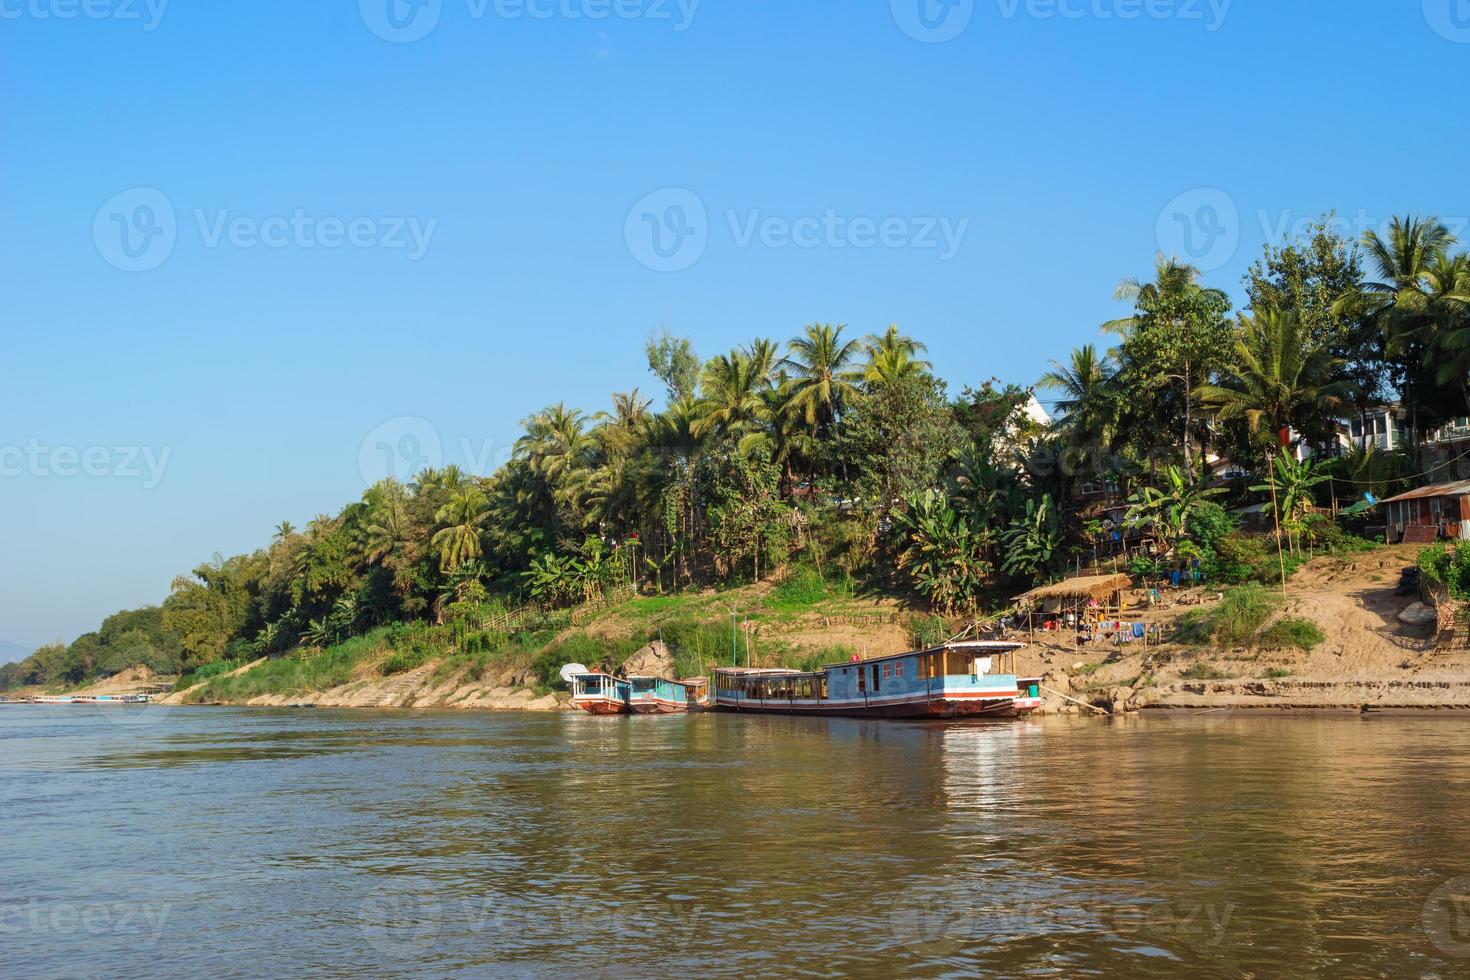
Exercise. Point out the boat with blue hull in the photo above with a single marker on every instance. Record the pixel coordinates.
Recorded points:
(956, 680)
(604, 694)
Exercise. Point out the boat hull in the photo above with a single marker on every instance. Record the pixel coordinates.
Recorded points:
(602, 706)
(928, 708)
(659, 707)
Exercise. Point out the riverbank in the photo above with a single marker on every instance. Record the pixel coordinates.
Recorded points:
(1366, 658)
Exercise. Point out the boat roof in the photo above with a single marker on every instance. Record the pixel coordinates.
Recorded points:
(977, 646)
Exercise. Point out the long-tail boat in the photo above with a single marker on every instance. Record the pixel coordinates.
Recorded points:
(955, 680)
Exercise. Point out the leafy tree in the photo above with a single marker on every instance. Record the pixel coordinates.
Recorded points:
(673, 361)
(1175, 339)
(943, 554)
(1167, 509)
(1035, 543)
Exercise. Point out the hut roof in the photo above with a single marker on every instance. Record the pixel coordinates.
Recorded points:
(1087, 587)
(1458, 489)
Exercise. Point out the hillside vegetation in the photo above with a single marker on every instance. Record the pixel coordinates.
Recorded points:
(835, 460)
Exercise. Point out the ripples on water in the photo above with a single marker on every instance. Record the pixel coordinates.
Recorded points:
(340, 843)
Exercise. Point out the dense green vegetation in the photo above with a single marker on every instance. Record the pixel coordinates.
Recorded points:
(848, 460)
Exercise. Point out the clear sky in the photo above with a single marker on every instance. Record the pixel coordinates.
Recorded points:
(248, 244)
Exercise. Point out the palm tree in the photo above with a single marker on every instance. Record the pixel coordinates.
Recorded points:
(385, 530)
(284, 531)
(892, 356)
(1421, 300)
(1173, 334)
(1089, 405)
(824, 380)
(1276, 382)
(461, 522)
(731, 387)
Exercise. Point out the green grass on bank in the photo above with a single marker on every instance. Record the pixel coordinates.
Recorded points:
(1239, 620)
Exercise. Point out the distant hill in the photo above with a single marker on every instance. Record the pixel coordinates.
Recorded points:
(14, 651)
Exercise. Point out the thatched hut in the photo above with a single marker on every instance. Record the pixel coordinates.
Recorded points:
(1088, 597)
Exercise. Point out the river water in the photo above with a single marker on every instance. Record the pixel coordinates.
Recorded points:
(337, 843)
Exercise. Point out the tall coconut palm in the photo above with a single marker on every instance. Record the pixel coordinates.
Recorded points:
(823, 377)
(1089, 401)
(1276, 382)
(385, 528)
(1421, 301)
(731, 387)
(892, 356)
(462, 523)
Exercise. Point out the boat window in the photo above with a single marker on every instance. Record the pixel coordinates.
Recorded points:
(898, 669)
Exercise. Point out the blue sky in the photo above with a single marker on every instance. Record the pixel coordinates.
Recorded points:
(339, 239)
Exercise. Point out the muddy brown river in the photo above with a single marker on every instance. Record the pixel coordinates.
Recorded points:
(334, 843)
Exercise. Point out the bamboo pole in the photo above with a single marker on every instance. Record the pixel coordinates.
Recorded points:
(1084, 704)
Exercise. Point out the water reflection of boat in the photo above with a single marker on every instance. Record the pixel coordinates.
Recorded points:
(956, 680)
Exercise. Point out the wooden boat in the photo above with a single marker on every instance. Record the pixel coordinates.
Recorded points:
(659, 696)
(600, 694)
(955, 680)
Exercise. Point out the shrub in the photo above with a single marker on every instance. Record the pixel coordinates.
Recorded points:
(1241, 614)
(1449, 567)
(1205, 672)
(804, 587)
(814, 660)
(1276, 673)
(928, 631)
(1303, 634)
(1208, 523)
